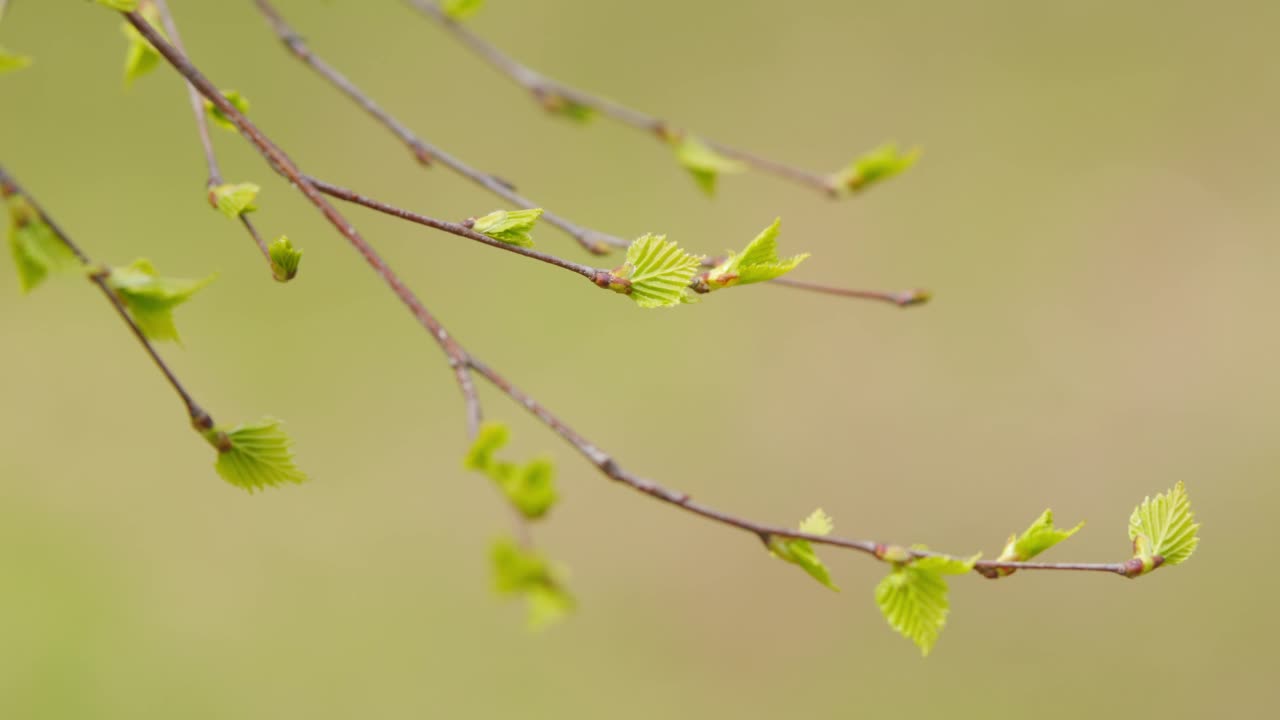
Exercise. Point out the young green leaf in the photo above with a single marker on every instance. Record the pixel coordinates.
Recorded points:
(758, 262)
(1164, 527)
(704, 163)
(141, 58)
(235, 199)
(36, 249)
(878, 165)
(121, 5)
(151, 299)
(517, 571)
(238, 101)
(509, 226)
(284, 259)
(801, 552)
(913, 597)
(256, 456)
(656, 272)
(557, 104)
(530, 488)
(10, 61)
(461, 9)
(1038, 537)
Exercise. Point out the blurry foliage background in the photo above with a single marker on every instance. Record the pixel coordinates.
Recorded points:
(1096, 211)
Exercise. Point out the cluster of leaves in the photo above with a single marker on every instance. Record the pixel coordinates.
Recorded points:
(913, 596)
(522, 572)
(530, 487)
(237, 199)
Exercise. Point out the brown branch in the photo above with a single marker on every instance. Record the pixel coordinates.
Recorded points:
(901, 298)
(464, 363)
(200, 419)
(593, 241)
(553, 94)
(206, 138)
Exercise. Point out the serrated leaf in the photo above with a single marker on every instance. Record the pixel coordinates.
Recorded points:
(704, 163)
(758, 262)
(1038, 537)
(509, 226)
(36, 249)
(121, 5)
(461, 9)
(530, 487)
(517, 571)
(238, 101)
(151, 299)
(876, 166)
(801, 553)
(10, 61)
(260, 456)
(235, 199)
(141, 58)
(1164, 527)
(284, 259)
(656, 272)
(913, 597)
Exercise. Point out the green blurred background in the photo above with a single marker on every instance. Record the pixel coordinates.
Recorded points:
(1096, 210)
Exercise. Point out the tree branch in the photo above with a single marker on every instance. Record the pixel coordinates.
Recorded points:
(200, 419)
(463, 363)
(553, 95)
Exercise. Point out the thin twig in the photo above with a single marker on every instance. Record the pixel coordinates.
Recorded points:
(553, 94)
(593, 241)
(464, 363)
(206, 138)
(901, 298)
(200, 419)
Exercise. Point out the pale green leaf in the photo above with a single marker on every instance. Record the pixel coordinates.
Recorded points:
(913, 597)
(235, 199)
(238, 101)
(530, 487)
(1164, 527)
(1038, 537)
(758, 262)
(461, 9)
(36, 249)
(704, 163)
(509, 226)
(10, 61)
(121, 5)
(801, 553)
(517, 571)
(285, 259)
(150, 298)
(566, 108)
(259, 455)
(656, 272)
(141, 58)
(876, 166)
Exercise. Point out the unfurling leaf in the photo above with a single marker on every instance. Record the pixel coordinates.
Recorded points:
(255, 456)
(880, 164)
(37, 250)
(801, 553)
(757, 263)
(10, 61)
(121, 5)
(235, 199)
(656, 272)
(219, 118)
(557, 104)
(704, 163)
(461, 9)
(284, 259)
(517, 571)
(1163, 529)
(141, 58)
(151, 299)
(530, 488)
(913, 597)
(509, 226)
(1038, 537)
